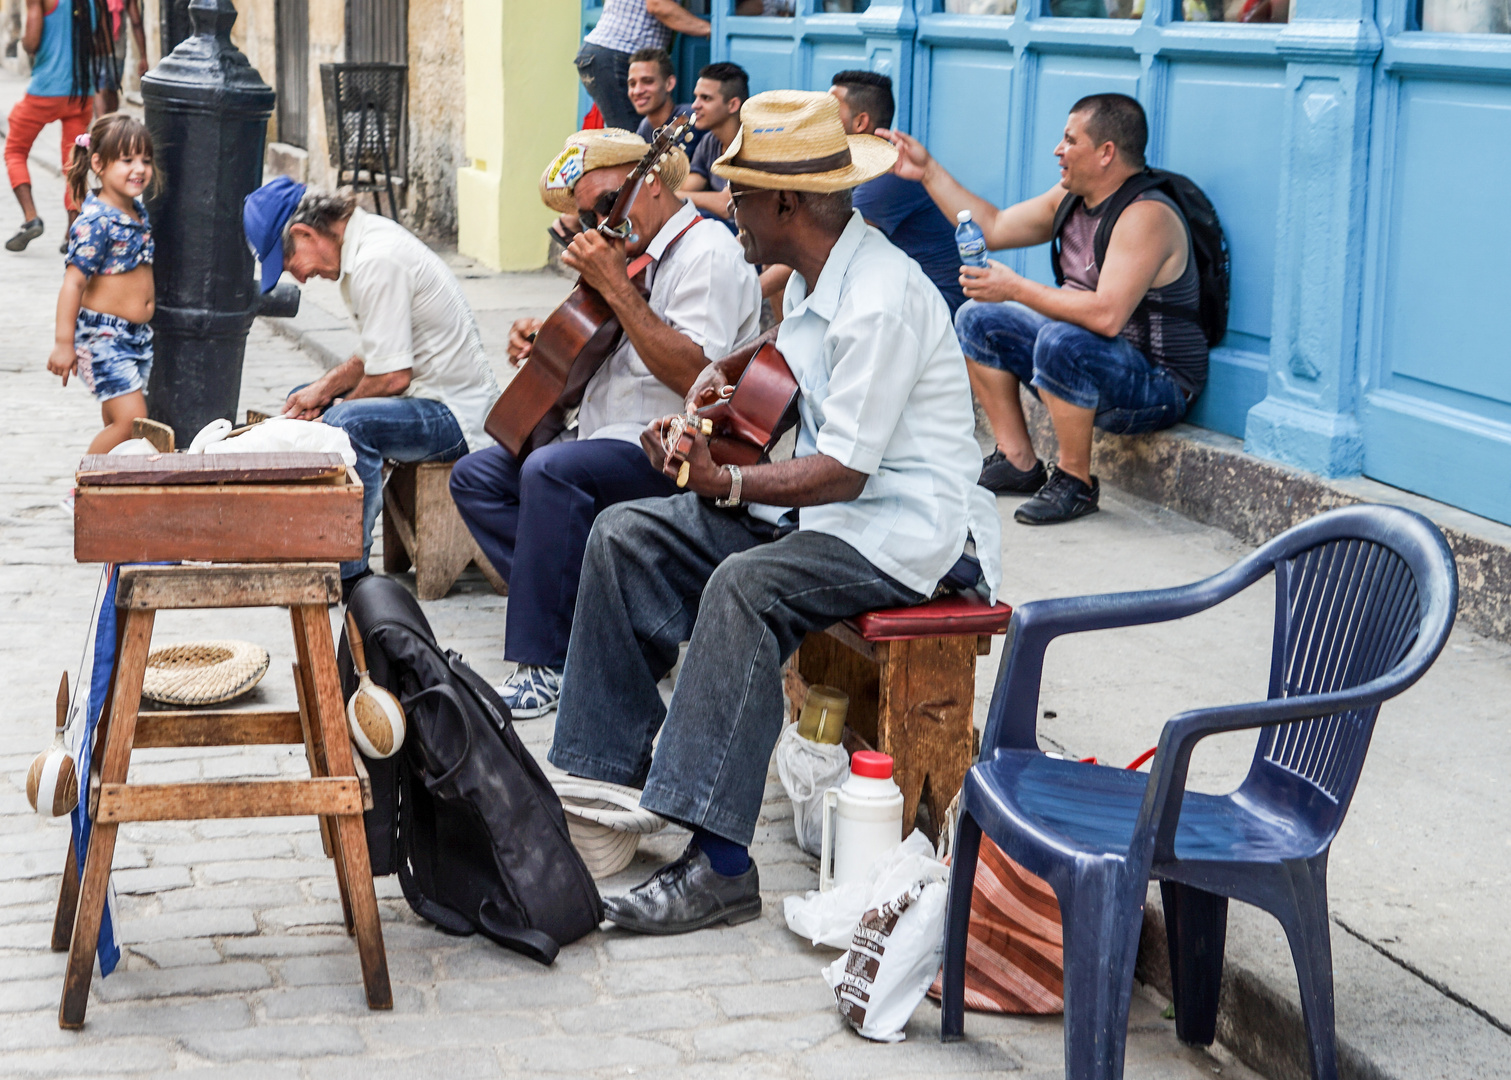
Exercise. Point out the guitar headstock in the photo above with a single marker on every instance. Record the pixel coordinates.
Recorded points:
(674, 135)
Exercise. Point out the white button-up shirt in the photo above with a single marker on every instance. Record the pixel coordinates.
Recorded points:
(885, 392)
(412, 316)
(705, 290)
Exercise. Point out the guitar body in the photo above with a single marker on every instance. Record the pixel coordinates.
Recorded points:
(570, 347)
(747, 423)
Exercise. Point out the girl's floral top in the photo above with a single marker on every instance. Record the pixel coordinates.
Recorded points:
(104, 239)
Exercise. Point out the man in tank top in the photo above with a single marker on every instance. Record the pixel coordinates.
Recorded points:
(1117, 346)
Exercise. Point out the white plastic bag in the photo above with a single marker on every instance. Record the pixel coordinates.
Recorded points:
(209, 435)
(893, 958)
(807, 770)
(134, 448)
(829, 918)
(285, 433)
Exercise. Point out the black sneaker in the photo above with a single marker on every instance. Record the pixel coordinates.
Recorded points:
(1002, 477)
(27, 233)
(1062, 498)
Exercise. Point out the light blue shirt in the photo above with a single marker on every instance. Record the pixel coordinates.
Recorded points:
(885, 392)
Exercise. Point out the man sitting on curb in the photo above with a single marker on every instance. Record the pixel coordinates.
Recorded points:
(421, 387)
(1118, 346)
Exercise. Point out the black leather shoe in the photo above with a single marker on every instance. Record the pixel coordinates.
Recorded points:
(1062, 498)
(686, 895)
(1002, 477)
(28, 232)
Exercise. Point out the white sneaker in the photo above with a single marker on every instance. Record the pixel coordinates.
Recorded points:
(531, 691)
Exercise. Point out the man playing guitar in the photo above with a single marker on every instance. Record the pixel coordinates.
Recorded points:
(532, 519)
(884, 471)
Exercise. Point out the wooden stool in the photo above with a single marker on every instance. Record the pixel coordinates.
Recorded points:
(333, 790)
(421, 527)
(911, 676)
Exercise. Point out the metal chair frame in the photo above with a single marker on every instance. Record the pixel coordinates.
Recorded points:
(376, 147)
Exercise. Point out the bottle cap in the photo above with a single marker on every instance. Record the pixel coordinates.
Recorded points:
(963, 216)
(870, 764)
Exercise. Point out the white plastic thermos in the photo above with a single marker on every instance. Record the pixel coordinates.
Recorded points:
(862, 820)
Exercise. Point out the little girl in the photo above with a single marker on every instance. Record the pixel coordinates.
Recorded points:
(108, 296)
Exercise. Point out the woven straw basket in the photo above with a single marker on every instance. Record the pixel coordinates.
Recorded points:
(203, 672)
(606, 821)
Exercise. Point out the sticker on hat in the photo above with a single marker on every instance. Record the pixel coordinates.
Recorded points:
(566, 170)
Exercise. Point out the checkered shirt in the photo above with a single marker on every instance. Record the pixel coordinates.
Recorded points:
(625, 26)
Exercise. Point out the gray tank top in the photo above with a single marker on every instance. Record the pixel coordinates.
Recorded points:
(1175, 343)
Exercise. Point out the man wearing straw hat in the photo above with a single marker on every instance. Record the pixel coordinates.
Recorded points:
(884, 471)
(532, 519)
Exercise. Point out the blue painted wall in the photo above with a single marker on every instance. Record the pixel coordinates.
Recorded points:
(1357, 163)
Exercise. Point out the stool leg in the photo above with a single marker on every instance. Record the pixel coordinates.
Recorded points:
(351, 835)
(314, 750)
(928, 689)
(126, 696)
(68, 901)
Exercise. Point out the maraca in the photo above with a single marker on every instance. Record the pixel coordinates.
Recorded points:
(52, 782)
(374, 715)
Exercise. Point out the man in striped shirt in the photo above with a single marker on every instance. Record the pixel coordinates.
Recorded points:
(624, 28)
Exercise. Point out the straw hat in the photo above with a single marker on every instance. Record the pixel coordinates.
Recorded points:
(792, 140)
(203, 672)
(605, 821)
(601, 148)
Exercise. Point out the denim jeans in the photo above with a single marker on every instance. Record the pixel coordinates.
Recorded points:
(605, 75)
(1130, 393)
(662, 571)
(392, 429)
(533, 521)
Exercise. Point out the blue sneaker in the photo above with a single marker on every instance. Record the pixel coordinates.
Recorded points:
(531, 691)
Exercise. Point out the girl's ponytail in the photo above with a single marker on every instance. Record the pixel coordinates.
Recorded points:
(78, 171)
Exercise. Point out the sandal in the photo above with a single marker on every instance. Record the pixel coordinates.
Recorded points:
(25, 235)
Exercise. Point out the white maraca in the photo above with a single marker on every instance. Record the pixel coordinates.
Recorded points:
(52, 781)
(374, 715)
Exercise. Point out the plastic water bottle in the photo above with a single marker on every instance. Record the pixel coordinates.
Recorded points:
(970, 240)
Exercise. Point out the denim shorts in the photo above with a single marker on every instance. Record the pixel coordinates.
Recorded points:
(1130, 393)
(115, 356)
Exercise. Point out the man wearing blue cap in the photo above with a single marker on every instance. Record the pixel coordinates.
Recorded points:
(420, 387)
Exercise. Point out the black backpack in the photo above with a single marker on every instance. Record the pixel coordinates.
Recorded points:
(463, 813)
(1207, 242)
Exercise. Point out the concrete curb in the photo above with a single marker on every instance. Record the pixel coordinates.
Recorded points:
(1208, 477)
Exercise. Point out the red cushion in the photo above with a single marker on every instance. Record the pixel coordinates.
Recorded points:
(949, 616)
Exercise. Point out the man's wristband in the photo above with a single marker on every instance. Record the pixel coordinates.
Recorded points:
(734, 487)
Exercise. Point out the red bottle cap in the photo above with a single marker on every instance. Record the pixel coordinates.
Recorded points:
(871, 764)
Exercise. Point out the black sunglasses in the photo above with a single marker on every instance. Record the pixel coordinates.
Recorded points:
(601, 209)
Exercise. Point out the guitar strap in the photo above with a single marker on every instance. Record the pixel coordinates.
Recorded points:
(636, 268)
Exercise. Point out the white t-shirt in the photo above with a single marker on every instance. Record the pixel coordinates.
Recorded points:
(412, 315)
(704, 289)
(884, 391)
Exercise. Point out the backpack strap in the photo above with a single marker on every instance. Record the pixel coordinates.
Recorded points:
(1062, 215)
(536, 944)
(1120, 200)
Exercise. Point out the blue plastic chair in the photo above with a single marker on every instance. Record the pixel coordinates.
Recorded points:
(1365, 598)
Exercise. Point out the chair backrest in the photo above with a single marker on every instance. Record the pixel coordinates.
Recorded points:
(1350, 608)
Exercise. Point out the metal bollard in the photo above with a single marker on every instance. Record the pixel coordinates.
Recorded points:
(208, 110)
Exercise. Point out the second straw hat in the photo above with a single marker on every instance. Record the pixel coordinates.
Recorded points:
(793, 140)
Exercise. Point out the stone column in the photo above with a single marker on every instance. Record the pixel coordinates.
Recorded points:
(521, 105)
(1309, 418)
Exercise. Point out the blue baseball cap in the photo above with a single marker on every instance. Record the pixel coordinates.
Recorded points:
(263, 216)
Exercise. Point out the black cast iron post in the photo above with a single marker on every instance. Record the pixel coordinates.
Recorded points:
(208, 113)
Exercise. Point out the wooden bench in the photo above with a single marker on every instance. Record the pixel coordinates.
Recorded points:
(333, 791)
(422, 528)
(911, 676)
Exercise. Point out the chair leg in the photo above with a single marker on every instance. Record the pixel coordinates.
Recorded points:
(1196, 927)
(1307, 929)
(68, 901)
(957, 928)
(1102, 916)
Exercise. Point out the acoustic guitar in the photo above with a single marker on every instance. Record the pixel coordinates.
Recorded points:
(746, 423)
(576, 338)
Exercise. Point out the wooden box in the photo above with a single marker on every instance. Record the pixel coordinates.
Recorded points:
(285, 507)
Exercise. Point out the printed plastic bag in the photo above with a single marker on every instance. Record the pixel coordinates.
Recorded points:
(893, 958)
(807, 770)
(829, 918)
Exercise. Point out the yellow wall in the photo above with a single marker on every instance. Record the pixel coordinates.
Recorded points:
(521, 105)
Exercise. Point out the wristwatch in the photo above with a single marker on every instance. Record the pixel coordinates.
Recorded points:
(734, 487)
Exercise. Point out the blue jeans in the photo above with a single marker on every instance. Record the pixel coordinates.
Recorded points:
(605, 75)
(115, 356)
(658, 572)
(1130, 393)
(392, 429)
(532, 522)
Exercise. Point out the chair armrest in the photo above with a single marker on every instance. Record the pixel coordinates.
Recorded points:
(1012, 720)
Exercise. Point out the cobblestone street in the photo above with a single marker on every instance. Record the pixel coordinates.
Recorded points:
(234, 958)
